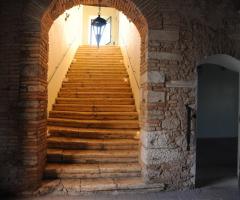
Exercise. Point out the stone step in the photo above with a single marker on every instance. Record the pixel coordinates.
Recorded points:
(96, 70)
(98, 53)
(95, 81)
(83, 171)
(96, 108)
(102, 49)
(88, 133)
(94, 75)
(92, 156)
(95, 85)
(78, 187)
(92, 89)
(93, 115)
(97, 73)
(96, 101)
(106, 78)
(95, 94)
(94, 66)
(93, 130)
(108, 124)
(87, 66)
(99, 63)
(92, 84)
(91, 144)
(101, 53)
(94, 59)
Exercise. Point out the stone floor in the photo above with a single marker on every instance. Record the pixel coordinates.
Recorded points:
(226, 189)
(216, 182)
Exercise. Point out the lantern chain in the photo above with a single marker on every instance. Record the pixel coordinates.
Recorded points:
(99, 7)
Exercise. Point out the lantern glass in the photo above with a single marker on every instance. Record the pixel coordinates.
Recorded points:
(98, 26)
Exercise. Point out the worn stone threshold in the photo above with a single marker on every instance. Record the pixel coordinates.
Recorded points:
(75, 187)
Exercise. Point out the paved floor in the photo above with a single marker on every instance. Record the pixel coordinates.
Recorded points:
(217, 183)
(226, 189)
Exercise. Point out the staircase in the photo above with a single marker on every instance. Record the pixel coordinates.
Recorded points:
(93, 127)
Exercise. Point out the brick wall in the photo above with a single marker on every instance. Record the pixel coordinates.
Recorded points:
(171, 46)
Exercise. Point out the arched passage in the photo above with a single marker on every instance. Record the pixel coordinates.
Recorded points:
(34, 74)
(217, 118)
(166, 88)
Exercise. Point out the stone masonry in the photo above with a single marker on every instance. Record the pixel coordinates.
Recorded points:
(172, 45)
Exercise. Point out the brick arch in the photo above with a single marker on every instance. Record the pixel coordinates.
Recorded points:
(33, 76)
(128, 7)
(57, 7)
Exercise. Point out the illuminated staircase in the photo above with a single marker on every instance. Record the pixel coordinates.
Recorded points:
(93, 127)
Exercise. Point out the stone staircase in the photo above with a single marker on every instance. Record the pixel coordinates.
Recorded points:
(93, 127)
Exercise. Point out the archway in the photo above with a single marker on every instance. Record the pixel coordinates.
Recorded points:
(36, 80)
(217, 119)
(164, 156)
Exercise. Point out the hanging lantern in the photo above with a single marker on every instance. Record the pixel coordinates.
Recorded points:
(98, 26)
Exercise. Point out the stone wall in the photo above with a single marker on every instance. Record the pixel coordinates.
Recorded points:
(172, 44)
(168, 85)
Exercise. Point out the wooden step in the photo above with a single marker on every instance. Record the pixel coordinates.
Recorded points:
(101, 170)
(96, 101)
(93, 115)
(88, 133)
(92, 156)
(95, 94)
(106, 124)
(96, 108)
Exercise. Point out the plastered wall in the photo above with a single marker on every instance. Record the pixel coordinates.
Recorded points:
(130, 43)
(65, 36)
(92, 11)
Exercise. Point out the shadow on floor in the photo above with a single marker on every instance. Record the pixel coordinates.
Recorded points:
(216, 161)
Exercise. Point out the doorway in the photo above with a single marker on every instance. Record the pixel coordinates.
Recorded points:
(217, 125)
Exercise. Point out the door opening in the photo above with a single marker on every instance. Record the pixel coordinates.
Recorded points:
(217, 125)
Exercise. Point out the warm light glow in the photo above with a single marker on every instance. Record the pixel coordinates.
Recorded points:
(137, 136)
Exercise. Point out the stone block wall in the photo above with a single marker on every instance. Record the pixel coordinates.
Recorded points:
(166, 91)
(171, 47)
